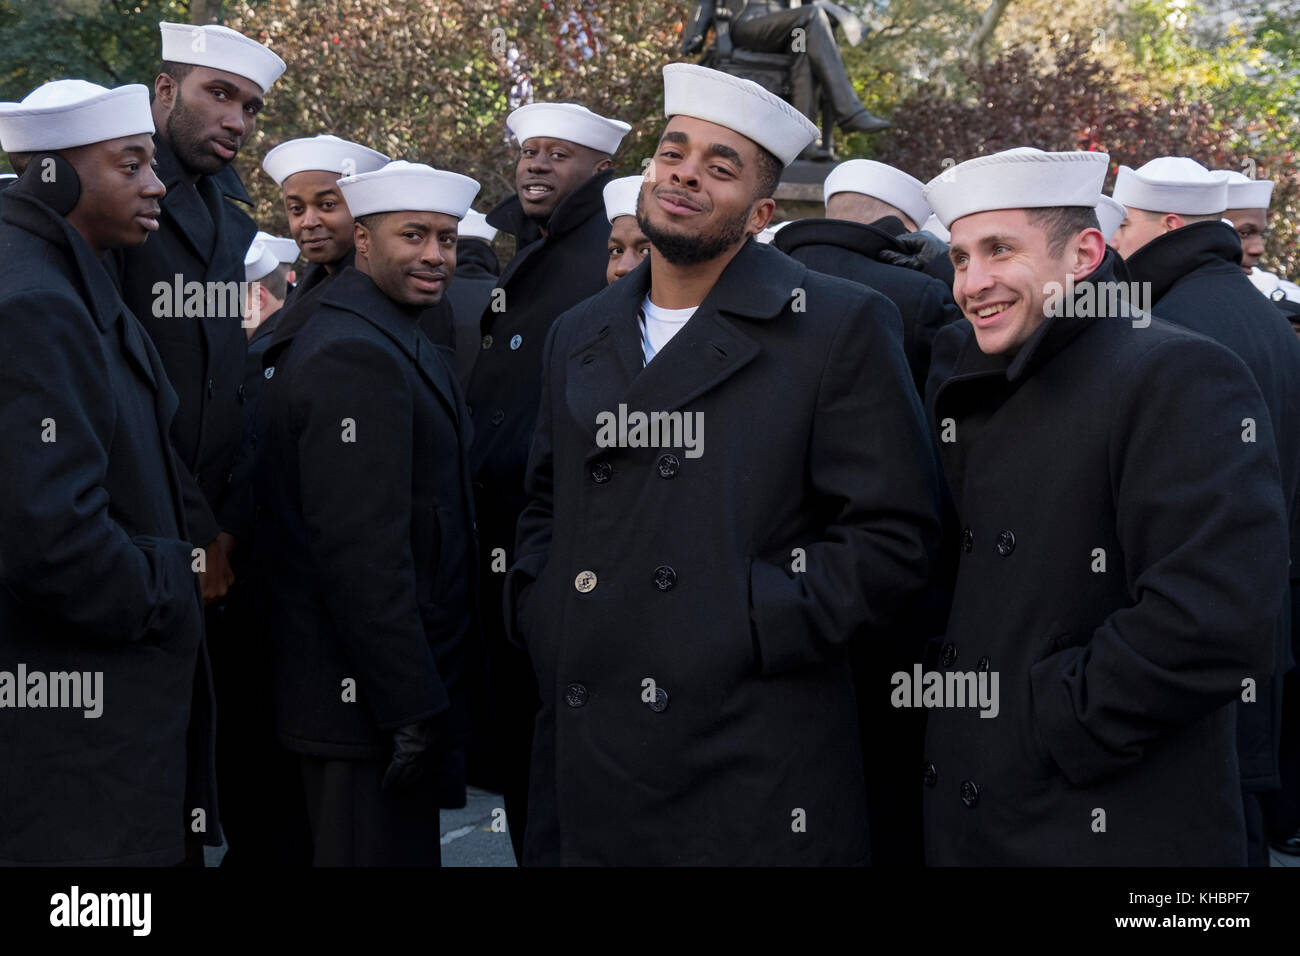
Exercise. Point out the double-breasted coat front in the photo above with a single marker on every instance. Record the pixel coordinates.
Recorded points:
(687, 607)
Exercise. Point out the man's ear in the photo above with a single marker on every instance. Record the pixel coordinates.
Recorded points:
(602, 165)
(361, 239)
(164, 91)
(1089, 250)
(761, 215)
(291, 277)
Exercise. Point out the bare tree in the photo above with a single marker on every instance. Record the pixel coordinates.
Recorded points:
(988, 23)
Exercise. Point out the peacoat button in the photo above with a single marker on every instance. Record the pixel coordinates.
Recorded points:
(487, 341)
(1006, 543)
(212, 388)
(665, 577)
(970, 794)
(270, 371)
(660, 702)
(931, 775)
(240, 392)
(967, 539)
(984, 663)
(601, 472)
(575, 695)
(948, 656)
(498, 417)
(585, 581)
(669, 465)
(516, 341)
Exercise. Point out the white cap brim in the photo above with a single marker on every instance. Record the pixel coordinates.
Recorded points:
(1020, 178)
(621, 195)
(740, 105)
(68, 113)
(1173, 184)
(325, 153)
(885, 183)
(221, 48)
(569, 122)
(408, 187)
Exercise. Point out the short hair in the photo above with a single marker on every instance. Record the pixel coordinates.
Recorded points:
(177, 71)
(769, 172)
(1063, 223)
(370, 220)
(277, 281)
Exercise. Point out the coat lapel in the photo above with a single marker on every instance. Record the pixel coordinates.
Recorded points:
(183, 204)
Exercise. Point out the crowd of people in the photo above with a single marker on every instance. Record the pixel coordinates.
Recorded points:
(953, 528)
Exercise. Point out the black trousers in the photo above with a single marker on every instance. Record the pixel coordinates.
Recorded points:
(353, 823)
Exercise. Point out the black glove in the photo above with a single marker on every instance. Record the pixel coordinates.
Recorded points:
(414, 749)
(921, 248)
(692, 44)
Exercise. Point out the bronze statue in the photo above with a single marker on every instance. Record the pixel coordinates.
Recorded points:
(756, 39)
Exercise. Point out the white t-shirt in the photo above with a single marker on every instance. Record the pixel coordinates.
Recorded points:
(659, 325)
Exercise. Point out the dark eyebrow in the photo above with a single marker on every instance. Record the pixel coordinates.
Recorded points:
(715, 149)
(233, 91)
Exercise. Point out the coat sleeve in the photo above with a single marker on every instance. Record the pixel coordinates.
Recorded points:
(1203, 527)
(872, 470)
(62, 552)
(533, 533)
(352, 415)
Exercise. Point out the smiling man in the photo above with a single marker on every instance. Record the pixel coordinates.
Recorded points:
(95, 558)
(557, 217)
(1123, 549)
(688, 609)
(365, 489)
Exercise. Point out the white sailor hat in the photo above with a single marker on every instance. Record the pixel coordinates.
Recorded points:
(1247, 193)
(1110, 213)
(259, 261)
(475, 225)
(286, 250)
(935, 228)
(401, 187)
(621, 196)
(569, 122)
(68, 113)
(1020, 178)
(326, 153)
(1172, 184)
(768, 234)
(220, 48)
(881, 182)
(738, 104)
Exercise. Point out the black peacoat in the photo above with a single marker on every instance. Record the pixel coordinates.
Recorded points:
(95, 569)
(850, 250)
(470, 293)
(687, 612)
(1196, 281)
(362, 487)
(1121, 563)
(202, 237)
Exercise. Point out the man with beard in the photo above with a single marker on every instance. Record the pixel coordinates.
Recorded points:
(1176, 240)
(868, 205)
(1123, 547)
(206, 100)
(688, 609)
(369, 512)
(96, 577)
(628, 245)
(558, 220)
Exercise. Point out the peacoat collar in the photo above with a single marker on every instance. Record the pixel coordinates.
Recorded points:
(569, 213)
(606, 368)
(1051, 337)
(95, 285)
(354, 291)
(1167, 259)
(195, 208)
(867, 240)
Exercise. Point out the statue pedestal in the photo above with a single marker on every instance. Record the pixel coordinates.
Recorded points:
(799, 194)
